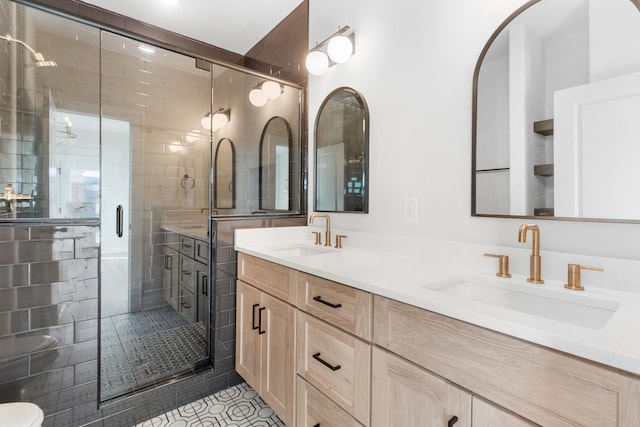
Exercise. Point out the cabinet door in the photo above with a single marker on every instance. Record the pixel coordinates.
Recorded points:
(406, 395)
(186, 277)
(278, 374)
(202, 290)
(248, 304)
(487, 415)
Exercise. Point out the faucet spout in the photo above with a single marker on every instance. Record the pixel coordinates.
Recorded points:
(327, 230)
(535, 259)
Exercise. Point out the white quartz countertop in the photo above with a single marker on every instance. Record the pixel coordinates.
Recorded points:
(195, 232)
(410, 280)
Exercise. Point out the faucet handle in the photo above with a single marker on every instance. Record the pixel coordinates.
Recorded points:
(503, 264)
(339, 238)
(318, 238)
(573, 276)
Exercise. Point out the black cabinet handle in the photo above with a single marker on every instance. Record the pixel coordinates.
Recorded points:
(320, 300)
(325, 363)
(186, 272)
(119, 221)
(316, 425)
(167, 262)
(260, 331)
(253, 317)
(205, 284)
(452, 421)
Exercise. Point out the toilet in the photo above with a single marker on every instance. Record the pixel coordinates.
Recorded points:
(21, 414)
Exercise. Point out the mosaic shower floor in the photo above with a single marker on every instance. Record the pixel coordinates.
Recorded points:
(238, 406)
(138, 349)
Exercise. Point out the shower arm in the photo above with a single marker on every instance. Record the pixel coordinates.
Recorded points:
(37, 56)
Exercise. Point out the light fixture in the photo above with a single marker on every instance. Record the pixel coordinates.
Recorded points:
(257, 97)
(192, 136)
(339, 48)
(271, 90)
(37, 56)
(146, 49)
(216, 120)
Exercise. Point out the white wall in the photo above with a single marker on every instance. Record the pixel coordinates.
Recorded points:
(414, 65)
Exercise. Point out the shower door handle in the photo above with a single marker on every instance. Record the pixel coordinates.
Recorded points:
(119, 221)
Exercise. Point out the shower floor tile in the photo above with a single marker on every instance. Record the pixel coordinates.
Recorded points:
(238, 406)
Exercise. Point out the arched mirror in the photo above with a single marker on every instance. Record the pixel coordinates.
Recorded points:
(342, 146)
(224, 196)
(556, 108)
(275, 170)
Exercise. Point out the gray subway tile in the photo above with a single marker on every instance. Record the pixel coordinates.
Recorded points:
(14, 321)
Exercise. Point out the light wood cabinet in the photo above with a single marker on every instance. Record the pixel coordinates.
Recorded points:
(314, 408)
(544, 386)
(487, 415)
(265, 348)
(336, 363)
(403, 394)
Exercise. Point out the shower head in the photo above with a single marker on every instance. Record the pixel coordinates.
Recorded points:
(38, 58)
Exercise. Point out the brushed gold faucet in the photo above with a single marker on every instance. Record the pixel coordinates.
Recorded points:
(536, 260)
(327, 232)
(573, 276)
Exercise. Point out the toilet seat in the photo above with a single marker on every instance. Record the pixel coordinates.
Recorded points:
(21, 414)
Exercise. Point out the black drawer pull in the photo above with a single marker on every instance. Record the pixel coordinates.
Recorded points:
(452, 421)
(327, 364)
(186, 272)
(187, 245)
(316, 425)
(260, 331)
(320, 300)
(253, 317)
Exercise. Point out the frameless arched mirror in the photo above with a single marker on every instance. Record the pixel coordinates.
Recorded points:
(275, 170)
(556, 107)
(224, 178)
(342, 146)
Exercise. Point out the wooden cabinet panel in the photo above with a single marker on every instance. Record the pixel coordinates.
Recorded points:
(487, 415)
(336, 363)
(345, 307)
(542, 385)
(403, 394)
(314, 408)
(274, 279)
(278, 373)
(266, 349)
(248, 300)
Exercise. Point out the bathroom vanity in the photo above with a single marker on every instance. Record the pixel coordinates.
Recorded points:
(185, 277)
(356, 337)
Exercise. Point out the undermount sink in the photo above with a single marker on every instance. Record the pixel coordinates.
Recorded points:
(302, 250)
(568, 307)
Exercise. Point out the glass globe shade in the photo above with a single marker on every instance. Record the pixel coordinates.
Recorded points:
(271, 90)
(192, 136)
(257, 97)
(340, 49)
(205, 122)
(219, 120)
(317, 63)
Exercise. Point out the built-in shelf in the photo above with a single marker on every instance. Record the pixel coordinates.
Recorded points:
(543, 170)
(543, 127)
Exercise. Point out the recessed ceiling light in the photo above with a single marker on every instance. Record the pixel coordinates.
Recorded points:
(170, 2)
(146, 49)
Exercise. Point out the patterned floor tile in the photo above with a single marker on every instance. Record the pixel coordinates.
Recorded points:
(238, 406)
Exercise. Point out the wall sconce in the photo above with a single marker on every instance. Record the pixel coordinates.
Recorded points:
(339, 48)
(38, 58)
(267, 90)
(216, 120)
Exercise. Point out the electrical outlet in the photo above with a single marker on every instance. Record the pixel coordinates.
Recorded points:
(410, 209)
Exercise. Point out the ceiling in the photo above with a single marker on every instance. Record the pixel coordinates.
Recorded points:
(235, 25)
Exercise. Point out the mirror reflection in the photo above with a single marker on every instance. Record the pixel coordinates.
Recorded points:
(275, 149)
(224, 169)
(556, 102)
(342, 144)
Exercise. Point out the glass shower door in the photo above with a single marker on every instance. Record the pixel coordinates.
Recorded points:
(155, 167)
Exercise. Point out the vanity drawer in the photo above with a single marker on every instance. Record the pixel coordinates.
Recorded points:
(186, 245)
(269, 277)
(342, 306)
(314, 408)
(336, 363)
(200, 251)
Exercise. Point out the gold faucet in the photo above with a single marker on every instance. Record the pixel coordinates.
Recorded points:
(327, 232)
(536, 260)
